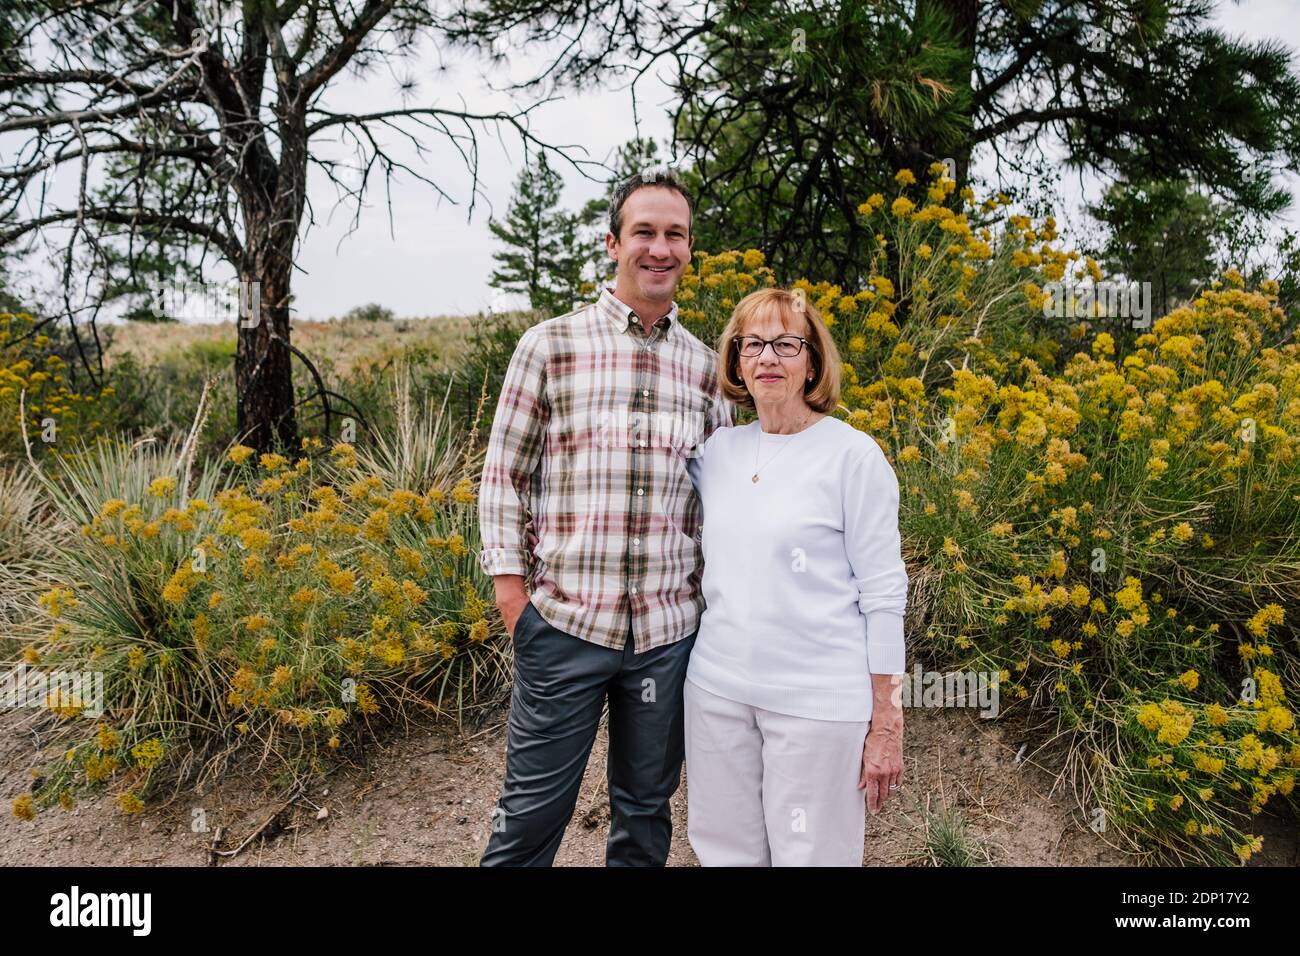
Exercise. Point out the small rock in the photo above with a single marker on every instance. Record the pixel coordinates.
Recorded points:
(322, 813)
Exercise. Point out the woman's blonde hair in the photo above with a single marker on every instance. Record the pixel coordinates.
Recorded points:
(823, 393)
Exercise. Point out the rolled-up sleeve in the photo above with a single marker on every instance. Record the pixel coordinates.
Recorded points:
(514, 451)
(873, 544)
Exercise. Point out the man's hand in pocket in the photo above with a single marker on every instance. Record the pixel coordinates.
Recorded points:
(511, 600)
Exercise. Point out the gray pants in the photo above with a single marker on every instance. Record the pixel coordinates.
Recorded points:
(559, 693)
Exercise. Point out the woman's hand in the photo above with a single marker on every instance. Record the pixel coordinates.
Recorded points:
(882, 753)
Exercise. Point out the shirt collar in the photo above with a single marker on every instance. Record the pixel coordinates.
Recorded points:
(622, 316)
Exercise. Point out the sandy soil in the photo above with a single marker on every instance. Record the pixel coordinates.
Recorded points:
(426, 796)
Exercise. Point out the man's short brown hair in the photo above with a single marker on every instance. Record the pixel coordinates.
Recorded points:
(661, 176)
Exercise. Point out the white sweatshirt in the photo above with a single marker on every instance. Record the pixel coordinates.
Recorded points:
(804, 578)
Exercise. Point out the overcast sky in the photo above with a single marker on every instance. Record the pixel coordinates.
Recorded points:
(431, 260)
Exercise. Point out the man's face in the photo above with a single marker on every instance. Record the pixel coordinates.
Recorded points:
(655, 247)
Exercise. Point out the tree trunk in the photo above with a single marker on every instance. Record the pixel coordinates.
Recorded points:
(263, 362)
(964, 15)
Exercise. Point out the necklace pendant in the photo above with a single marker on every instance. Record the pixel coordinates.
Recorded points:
(755, 478)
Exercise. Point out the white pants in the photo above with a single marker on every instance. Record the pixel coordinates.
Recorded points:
(768, 789)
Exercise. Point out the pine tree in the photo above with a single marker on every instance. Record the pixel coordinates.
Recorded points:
(232, 94)
(534, 234)
(570, 266)
(1164, 233)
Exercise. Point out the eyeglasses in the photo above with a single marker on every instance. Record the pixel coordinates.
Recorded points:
(786, 346)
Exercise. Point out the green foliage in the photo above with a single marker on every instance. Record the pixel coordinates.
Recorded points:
(481, 369)
(541, 257)
(27, 529)
(819, 107)
(480, 366)
(1165, 233)
(788, 114)
(371, 312)
(948, 840)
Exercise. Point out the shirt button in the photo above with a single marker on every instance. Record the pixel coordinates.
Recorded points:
(645, 392)
(642, 442)
(640, 491)
(636, 542)
(634, 589)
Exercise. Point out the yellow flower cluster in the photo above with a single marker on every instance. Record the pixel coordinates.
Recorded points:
(35, 377)
(1171, 721)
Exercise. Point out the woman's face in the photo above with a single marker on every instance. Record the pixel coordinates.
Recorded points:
(773, 379)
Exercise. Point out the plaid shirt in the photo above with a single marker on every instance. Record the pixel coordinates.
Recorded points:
(594, 426)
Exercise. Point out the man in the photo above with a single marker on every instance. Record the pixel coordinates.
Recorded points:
(599, 412)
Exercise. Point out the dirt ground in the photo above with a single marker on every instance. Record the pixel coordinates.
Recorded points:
(426, 797)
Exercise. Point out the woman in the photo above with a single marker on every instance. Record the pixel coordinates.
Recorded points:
(792, 717)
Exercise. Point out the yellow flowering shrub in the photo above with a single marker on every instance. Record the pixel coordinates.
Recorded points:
(283, 615)
(1106, 515)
